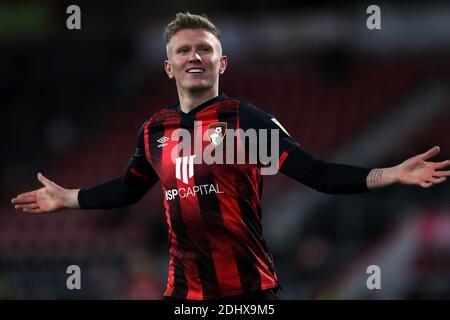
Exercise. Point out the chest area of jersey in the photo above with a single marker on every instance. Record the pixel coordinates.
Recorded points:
(191, 149)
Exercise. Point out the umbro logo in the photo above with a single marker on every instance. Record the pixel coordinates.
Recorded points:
(162, 141)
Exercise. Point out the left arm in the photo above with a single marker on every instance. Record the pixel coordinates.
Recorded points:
(333, 178)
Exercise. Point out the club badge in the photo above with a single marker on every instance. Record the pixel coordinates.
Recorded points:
(216, 132)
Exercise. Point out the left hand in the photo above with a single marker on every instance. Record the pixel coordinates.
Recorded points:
(417, 171)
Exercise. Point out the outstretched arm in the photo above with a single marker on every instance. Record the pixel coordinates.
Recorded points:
(303, 166)
(346, 179)
(413, 171)
(138, 178)
(115, 193)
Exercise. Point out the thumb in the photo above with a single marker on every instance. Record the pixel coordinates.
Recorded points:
(430, 153)
(43, 179)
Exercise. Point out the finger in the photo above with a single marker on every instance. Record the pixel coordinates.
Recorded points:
(24, 200)
(439, 180)
(430, 153)
(445, 173)
(33, 210)
(426, 184)
(26, 194)
(27, 206)
(442, 164)
(43, 179)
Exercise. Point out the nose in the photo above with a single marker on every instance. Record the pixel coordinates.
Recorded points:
(194, 57)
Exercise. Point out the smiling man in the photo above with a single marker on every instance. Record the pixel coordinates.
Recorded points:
(213, 211)
(195, 61)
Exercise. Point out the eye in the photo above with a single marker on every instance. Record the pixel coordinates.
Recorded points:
(205, 49)
(183, 50)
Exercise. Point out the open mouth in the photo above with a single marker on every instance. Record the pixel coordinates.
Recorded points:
(195, 70)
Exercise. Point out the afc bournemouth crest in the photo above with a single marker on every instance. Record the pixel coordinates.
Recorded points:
(216, 132)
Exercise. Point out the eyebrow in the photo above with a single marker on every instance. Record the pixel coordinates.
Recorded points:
(182, 47)
(203, 44)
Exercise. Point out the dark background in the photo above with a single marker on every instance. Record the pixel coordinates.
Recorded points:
(72, 103)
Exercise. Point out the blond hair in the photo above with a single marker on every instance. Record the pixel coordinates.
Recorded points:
(189, 21)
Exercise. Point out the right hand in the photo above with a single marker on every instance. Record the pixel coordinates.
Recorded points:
(49, 198)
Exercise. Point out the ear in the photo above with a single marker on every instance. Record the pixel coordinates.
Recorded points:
(223, 64)
(168, 69)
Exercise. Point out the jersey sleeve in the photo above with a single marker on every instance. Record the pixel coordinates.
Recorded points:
(274, 143)
(323, 176)
(139, 168)
(137, 179)
(297, 162)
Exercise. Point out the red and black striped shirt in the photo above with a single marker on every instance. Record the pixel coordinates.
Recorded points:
(213, 210)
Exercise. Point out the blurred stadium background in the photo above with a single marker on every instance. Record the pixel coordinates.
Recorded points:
(73, 101)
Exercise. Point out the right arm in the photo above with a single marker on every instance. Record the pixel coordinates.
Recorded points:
(138, 178)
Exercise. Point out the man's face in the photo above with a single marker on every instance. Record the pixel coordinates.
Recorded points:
(195, 60)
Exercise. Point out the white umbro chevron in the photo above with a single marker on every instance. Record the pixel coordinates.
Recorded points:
(163, 139)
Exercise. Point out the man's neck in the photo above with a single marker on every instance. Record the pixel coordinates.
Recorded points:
(190, 100)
